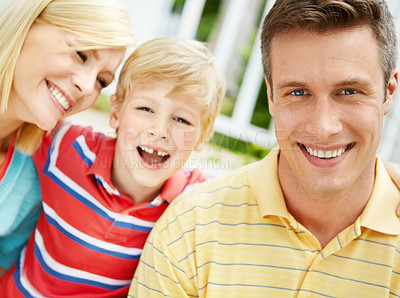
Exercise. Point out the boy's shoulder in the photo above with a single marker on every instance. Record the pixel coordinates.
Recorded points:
(181, 181)
(67, 134)
(67, 137)
(72, 131)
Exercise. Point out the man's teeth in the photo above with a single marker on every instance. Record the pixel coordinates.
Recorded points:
(325, 154)
(60, 98)
(151, 151)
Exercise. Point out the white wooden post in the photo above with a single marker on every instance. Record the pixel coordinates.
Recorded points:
(190, 18)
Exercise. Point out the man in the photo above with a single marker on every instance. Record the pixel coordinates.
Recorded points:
(316, 216)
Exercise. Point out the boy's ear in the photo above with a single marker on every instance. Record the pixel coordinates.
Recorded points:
(114, 111)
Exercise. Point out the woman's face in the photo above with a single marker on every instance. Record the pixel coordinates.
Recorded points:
(52, 79)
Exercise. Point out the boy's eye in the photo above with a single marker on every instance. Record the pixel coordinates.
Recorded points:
(144, 109)
(82, 56)
(181, 120)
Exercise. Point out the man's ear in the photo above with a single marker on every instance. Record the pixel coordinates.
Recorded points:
(391, 90)
(114, 111)
(269, 94)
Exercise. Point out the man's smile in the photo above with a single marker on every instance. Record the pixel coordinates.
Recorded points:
(326, 154)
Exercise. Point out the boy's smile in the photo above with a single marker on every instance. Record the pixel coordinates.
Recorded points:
(157, 131)
(151, 157)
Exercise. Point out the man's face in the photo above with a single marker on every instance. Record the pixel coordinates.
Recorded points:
(328, 102)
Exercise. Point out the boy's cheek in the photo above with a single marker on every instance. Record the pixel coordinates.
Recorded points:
(188, 140)
(126, 139)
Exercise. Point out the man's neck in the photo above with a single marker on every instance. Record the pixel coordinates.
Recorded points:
(325, 215)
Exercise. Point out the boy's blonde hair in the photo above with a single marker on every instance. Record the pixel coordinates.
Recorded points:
(99, 23)
(188, 64)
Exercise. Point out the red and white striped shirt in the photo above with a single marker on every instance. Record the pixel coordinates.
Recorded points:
(89, 237)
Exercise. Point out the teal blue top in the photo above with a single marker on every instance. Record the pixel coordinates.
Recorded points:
(20, 206)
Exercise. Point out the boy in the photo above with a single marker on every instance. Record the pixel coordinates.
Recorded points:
(102, 196)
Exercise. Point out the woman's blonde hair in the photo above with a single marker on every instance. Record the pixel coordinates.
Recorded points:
(187, 64)
(99, 23)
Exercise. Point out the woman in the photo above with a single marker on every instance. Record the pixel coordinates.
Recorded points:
(55, 58)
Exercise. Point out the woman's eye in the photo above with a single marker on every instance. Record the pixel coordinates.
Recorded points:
(82, 56)
(102, 82)
(181, 120)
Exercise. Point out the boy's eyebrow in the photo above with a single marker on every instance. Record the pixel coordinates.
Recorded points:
(145, 97)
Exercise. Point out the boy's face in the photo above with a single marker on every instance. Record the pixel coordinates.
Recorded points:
(156, 134)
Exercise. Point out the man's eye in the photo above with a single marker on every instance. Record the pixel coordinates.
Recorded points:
(348, 92)
(298, 92)
(82, 56)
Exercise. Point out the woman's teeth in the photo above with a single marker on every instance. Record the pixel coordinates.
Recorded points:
(60, 98)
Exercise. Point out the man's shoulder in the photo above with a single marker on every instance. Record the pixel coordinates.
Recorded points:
(232, 188)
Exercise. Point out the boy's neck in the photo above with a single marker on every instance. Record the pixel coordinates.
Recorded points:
(144, 195)
(136, 192)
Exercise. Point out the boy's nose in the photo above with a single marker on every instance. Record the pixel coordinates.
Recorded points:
(159, 130)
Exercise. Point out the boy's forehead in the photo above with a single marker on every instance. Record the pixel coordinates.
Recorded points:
(164, 89)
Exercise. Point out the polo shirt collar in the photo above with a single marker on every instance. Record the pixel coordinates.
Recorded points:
(264, 183)
(102, 166)
(379, 213)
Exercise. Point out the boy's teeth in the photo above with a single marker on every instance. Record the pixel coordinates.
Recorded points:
(325, 154)
(60, 98)
(160, 153)
(148, 150)
(151, 151)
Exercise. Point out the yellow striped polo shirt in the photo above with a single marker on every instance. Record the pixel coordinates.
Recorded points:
(234, 237)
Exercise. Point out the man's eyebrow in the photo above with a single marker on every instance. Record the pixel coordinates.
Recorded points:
(291, 84)
(353, 82)
(346, 82)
